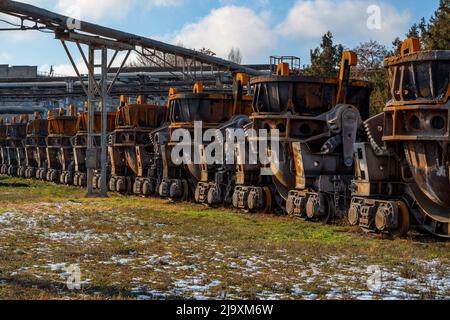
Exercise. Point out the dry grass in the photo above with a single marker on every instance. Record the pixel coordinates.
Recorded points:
(130, 248)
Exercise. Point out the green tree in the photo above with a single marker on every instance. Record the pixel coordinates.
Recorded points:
(396, 47)
(151, 58)
(325, 60)
(417, 30)
(207, 51)
(436, 35)
(371, 55)
(235, 55)
(370, 67)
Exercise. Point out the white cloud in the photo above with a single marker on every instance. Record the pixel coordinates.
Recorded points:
(347, 19)
(62, 69)
(229, 27)
(66, 69)
(88, 9)
(252, 30)
(98, 9)
(166, 3)
(5, 57)
(17, 37)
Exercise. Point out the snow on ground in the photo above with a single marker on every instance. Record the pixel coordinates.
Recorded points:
(343, 282)
(194, 269)
(6, 218)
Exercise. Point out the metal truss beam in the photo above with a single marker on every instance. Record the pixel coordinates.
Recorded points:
(59, 24)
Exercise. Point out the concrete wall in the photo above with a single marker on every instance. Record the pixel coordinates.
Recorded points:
(18, 71)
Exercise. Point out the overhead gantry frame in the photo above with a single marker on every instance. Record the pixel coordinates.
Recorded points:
(99, 38)
(96, 91)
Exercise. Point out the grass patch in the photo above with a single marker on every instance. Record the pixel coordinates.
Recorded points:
(128, 247)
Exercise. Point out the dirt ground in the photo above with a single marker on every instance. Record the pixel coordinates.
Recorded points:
(56, 244)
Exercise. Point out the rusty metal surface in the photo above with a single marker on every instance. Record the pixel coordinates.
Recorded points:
(215, 111)
(2, 141)
(36, 147)
(417, 118)
(13, 150)
(407, 167)
(130, 147)
(80, 142)
(310, 96)
(82, 122)
(419, 78)
(318, 121)
(62, 126)
(61, 130)
(209, 108)
(212, 109)
(303, 110)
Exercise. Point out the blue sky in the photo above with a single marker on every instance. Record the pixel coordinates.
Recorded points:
(258, 27)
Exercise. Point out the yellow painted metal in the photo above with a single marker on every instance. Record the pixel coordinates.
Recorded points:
(172, 91)
(242, 78)
(404, 219)
(62, 112)
(72, 110)
(410, 45)
(351, 59)
(198, 87)
(23, 119)
(283, 69)
(124, 100)
(141, 100)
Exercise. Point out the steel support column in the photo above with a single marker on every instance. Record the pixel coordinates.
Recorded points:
(104, 133)
(97, 91)
(91, 151)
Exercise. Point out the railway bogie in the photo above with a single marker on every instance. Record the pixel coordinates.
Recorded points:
(187, 178)
(3, 156)
(14, 162)
(318, 121)
(385, 174)
(402, 173)
(80, 145)
(61, 130)
(36, 148)
(130, 147)
(217, 180)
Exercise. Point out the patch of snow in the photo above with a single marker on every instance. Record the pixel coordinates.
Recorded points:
(311, 297)
(76, 237)
(156, 260)
(121, 261)
(6, 218)
(56, 266)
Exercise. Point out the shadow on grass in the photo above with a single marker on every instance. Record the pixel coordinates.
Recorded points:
(58, 289)
(416, 235)
(14, 185)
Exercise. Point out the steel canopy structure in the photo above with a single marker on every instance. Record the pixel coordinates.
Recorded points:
(68, 28)
(133, 81)
(99, 39)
